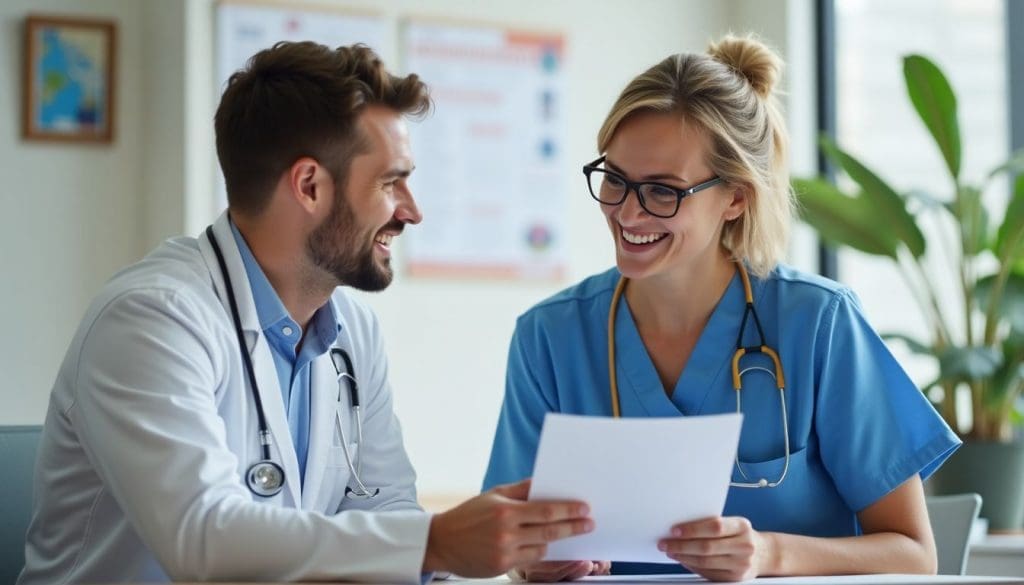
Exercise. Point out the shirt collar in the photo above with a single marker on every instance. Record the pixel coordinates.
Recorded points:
(269, 308)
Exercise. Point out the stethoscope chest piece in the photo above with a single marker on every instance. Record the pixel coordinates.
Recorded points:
(265, 478)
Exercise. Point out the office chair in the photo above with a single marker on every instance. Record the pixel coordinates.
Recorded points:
(952, 517)
(18, 446)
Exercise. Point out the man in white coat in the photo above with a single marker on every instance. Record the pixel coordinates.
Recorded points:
(223, 411)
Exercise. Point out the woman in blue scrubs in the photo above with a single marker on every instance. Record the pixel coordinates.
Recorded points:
(694, 185)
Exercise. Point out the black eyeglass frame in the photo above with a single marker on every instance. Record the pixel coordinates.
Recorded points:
(636, 185)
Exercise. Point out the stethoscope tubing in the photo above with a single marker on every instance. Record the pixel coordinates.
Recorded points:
(356, 468)
(737, 374)
(266, 463)
(265, 437)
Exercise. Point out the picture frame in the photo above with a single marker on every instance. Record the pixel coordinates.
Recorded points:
(68, 79)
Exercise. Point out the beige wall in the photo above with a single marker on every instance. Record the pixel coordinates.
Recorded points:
(73, 214)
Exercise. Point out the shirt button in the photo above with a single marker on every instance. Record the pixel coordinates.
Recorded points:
(286, 330)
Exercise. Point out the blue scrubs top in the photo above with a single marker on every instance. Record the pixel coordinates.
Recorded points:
(858, 426)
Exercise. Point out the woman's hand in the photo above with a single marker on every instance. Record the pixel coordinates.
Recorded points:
(719, 548)
(550, 571)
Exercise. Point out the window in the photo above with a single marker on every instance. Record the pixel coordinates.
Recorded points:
(877, 124)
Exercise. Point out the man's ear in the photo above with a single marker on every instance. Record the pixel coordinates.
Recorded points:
(306, 181)
(738, 205)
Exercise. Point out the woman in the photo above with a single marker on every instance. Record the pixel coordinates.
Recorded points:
(694, 185)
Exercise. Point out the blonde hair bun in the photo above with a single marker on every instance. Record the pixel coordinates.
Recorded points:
(755, 61)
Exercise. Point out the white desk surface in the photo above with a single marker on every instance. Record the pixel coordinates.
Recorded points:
(818, 580)
(687, 579)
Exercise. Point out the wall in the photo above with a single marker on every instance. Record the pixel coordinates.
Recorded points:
(447, 340)
(69, 214)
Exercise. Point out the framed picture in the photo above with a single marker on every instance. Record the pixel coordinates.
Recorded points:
(69, 79)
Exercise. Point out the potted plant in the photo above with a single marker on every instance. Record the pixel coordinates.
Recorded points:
(983, 355)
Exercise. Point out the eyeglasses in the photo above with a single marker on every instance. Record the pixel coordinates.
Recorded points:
(658, 199)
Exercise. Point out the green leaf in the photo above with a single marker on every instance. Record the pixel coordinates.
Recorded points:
(891, 209)
(1010, 238)
(935, 102)
(1006, 378)
(912, 344)
(843, 220)
(969, 363)
(1011, 307)
(973, 217)
(926, 200)
(1014, 166)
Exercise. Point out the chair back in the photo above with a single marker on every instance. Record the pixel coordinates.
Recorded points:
(952, 517)
(18, 446)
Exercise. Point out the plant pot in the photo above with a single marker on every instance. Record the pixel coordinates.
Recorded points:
(993, 470)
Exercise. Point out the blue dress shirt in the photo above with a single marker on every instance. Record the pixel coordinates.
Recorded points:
(292, 352)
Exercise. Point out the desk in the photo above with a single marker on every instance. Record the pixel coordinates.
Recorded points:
(997, 554)
(687, 579)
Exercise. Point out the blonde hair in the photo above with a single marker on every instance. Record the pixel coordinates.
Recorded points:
(729, 94)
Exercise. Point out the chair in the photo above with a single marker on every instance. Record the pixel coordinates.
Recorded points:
(952, 517)
(18, 446)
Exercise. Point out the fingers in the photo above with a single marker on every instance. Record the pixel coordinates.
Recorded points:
(551, 571)
(544, 533)
(719, 549)
(703, 564)
(716, 527)
(543, 512)
(516, 491)
(706, 547)
(581, 570)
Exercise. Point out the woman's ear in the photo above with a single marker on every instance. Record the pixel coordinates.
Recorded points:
(738, 204)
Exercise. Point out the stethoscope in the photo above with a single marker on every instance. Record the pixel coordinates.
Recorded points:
(737, 374)
(265, 478)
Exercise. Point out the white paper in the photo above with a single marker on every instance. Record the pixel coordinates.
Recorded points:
(640, 477)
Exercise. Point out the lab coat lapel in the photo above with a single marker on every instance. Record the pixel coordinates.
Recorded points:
(323, 404)
(282, 450)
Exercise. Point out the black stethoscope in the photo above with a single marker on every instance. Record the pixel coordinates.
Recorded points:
(265, 478)
(737, 374)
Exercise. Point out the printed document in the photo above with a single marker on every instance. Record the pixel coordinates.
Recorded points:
(640, 477)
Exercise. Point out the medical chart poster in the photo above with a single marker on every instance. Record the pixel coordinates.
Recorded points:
(491, 170)
(245, 29)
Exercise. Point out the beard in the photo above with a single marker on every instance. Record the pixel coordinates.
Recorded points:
(338, 247)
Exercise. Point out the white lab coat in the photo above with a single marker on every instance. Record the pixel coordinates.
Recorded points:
(151, 427)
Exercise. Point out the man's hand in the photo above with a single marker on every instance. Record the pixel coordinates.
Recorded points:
(499, 530)
(551, 571)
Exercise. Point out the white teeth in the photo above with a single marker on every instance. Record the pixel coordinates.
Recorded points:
(641, 239)
(384, 239)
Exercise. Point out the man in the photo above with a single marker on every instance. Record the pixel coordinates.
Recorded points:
(223, 412)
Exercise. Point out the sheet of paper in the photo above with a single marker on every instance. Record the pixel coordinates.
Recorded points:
(639, 475)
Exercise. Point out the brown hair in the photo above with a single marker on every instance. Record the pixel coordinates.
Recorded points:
(302, 99)
(729, 94)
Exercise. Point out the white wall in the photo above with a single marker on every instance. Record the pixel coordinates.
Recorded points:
(87, 211)
(70, 215)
